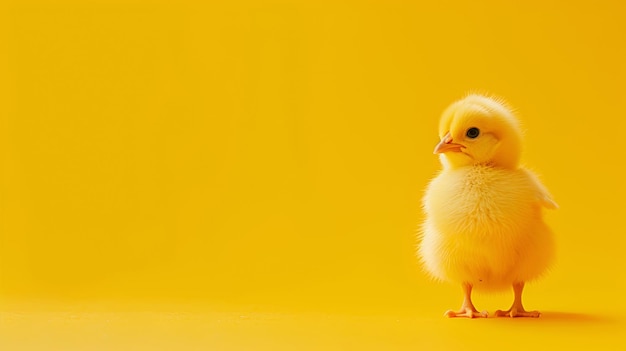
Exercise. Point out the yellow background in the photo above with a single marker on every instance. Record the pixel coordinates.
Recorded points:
(248, 174)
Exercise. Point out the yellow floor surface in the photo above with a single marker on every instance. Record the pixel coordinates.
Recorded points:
(240, 328)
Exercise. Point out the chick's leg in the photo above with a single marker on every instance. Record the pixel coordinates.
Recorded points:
(467, 308)
(517, 310)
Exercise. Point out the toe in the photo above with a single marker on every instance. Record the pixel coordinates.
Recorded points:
(501, 313)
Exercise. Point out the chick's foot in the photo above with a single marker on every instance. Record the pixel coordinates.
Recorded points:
(517, 309)
(467, 308)
(467, 312)
(515, 312)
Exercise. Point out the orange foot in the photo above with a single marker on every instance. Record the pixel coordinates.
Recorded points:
(467, 312)
(515, 312)
(517, 309)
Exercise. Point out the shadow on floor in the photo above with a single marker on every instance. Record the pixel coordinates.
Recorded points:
(576, 318)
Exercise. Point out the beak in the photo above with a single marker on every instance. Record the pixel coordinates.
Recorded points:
(446, 145)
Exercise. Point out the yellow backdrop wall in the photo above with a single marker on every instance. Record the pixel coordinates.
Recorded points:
(275, 152)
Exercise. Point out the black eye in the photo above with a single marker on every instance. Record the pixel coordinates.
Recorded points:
(473, 133)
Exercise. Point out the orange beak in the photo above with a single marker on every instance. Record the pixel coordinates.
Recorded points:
(446, 145)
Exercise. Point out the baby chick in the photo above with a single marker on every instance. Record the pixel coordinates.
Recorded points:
(484, 227)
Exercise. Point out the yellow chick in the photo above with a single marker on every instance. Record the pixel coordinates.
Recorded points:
(484, 227)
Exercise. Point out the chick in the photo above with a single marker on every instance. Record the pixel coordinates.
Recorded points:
(484, 227)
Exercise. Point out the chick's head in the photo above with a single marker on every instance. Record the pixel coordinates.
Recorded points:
(479, 130)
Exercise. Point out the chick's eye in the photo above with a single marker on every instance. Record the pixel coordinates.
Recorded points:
(472, 133)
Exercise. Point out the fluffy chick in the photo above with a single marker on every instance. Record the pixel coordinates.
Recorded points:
(484, 227)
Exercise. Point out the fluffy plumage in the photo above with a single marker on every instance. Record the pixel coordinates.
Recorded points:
(484, 227)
